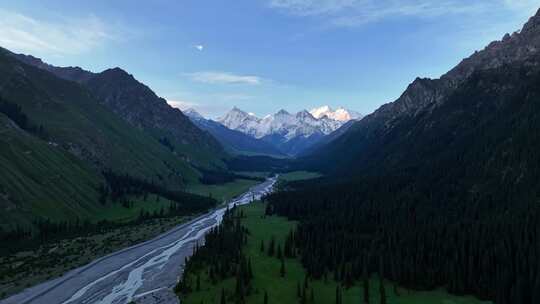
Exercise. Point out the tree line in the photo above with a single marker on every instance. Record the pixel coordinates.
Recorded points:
(120, 186)
(14, 112)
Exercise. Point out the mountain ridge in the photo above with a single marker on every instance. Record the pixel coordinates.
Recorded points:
(425, 95)
(138, 105)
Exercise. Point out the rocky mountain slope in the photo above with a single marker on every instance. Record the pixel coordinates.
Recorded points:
(138, 105)
(433, 117)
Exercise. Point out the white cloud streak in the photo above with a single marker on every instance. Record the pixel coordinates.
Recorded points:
(182, 104)
(213, 77)
(21, 33)
(212, 109)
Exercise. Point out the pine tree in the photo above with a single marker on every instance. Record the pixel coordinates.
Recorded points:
(250, 270)
(262, 245)
(198, 286)
(338, 294)
(282, 270)
(265, 297)
(536, 290)
(366, 286)
(312, 297)
(271, 247)
(223, 300)
(303, 298)
(382, 291)
(239, 285)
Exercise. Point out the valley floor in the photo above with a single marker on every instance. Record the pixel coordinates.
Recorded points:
(30, 267)
(283, 290)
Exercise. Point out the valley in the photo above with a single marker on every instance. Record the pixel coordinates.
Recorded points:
(164, 152)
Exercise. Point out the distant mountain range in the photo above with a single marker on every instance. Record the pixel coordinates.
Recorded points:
(289, 133)
(234, 141)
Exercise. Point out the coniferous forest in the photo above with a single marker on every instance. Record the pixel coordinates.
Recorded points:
(223, 257)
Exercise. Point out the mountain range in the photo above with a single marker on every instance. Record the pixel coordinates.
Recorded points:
(235, 142)
(290, 133)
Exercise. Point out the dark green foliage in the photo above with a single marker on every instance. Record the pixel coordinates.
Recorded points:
(279, 254)
(339, 296)
(382, 291)
(222, 257)
(223, 299)
(282, 270)
(213, 177)
(272, 246)
(119, 186)
(14, 112)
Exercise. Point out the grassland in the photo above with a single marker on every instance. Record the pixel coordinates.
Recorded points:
(117, 213)
(222, 192)
(39, 178)
(280, 290)
(298, 175)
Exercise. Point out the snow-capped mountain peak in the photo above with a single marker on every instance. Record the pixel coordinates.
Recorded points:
(290, 132)
(340, 114)
(305, 123)
(239, 120)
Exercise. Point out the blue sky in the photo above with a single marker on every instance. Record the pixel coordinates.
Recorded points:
(263, 55)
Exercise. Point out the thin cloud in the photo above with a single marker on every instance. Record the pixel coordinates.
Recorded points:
(21, 33)
(352, 13)
(199, 47)
(224, 78)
